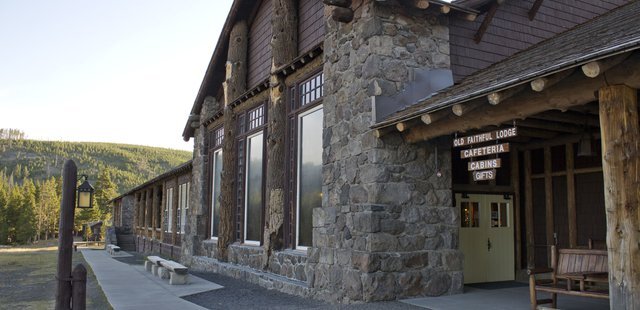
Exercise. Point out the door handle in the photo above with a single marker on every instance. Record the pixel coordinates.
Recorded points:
(488, 245)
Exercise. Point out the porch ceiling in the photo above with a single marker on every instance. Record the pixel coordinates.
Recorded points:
(544, 75)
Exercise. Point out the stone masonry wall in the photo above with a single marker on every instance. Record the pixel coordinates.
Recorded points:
(387, 228)
(126, 209)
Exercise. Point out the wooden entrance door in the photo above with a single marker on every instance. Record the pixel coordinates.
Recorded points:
(486, 237)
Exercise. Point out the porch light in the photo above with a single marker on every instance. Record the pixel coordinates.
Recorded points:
(584, 145)
(85, 193)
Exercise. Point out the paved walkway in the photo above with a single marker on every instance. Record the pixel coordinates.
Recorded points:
(132, 287)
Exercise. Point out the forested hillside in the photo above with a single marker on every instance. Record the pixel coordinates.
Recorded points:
(130, 165)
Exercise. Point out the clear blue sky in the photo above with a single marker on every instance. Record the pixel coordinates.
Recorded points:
(106, 71)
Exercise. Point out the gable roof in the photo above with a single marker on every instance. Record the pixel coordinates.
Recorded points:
(615, 32)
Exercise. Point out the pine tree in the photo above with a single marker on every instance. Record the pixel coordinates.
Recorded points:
(4, 199)
(25, 220)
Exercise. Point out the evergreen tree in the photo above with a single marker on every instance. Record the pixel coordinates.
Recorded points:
(4, 199)
(25, 221)
(106, 190)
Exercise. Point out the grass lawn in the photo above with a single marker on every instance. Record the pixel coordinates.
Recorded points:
(27, 278)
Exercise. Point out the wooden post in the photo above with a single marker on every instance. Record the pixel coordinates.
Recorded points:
(528, 195)
(621, 171)
(571, 197)
(79, 287)
(548, 198)
(284, 48)
(174, 210)
(515, 183)
(154, 210)
(65, 235)
(235, 84)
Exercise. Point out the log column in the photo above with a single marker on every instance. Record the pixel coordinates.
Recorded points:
(234, 85)
(284, 47)
(621, 171)
(528, 195)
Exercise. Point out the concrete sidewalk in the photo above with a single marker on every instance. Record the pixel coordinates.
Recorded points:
(132, 287)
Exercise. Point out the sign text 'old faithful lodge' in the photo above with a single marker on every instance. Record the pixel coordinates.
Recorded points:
(483, 170)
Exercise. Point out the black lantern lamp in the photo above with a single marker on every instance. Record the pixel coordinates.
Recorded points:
(85, 193)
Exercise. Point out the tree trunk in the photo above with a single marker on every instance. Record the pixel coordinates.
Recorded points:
(235, 84)
(621, 171)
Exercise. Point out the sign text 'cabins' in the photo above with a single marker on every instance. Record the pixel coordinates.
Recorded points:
(484, 164)
(486, 137)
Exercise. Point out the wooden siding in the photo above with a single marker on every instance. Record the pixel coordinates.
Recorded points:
(259, 47)
(511, 30)
(310, 25)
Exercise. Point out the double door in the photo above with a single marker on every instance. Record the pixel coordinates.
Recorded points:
(486, 237)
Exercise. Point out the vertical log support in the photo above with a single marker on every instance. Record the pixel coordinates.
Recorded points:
(174, 210)
(234, 85)
(515, 183)
(528, 195)
(65, 228)
(548, 198)
(621, 171)
(79, 288)
(154, 211)
(284, 47)
(571, 197)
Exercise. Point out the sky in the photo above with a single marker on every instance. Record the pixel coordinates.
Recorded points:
(105, 71)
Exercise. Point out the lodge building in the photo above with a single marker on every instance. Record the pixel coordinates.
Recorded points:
(371, 150)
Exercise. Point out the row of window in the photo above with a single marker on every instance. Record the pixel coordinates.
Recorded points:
(304, 157)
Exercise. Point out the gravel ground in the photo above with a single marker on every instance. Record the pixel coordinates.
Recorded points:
(238, 294)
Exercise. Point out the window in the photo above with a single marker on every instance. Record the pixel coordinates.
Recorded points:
(251, 164)
(216, 181)
(470, 214)
(306, 127)
(168, 210)
(183, 206)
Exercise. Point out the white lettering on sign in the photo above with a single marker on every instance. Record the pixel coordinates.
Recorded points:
(484, 175)
(486, 137)
(485, 150)
(484, 164)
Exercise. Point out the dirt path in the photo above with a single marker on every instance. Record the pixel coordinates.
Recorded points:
(27, 278)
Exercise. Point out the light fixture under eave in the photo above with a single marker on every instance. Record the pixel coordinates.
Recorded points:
(585, 145)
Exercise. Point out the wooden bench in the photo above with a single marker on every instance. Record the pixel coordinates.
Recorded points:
(112, 249)
(582, 271)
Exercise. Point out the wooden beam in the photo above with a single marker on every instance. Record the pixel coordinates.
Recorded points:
(578, 119)
(595, 68)
(528, 205)
(572, 91)
(536, 133)
(486, 22)
(470, 16)
(543, 83)
(571, 196)
(548, 198)
(445, 9)
(462, 109)
(548, 125)
(431, 117)
(380, 132)
(404, 126)
(621, 172)
(534, 9)
(340, 3)
(420, 4)
(497, 97)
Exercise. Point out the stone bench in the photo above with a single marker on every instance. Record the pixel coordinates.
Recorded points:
(153, 263)
(179, 274)
(112, 249)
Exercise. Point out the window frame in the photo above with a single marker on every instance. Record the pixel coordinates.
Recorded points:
(245, 132)
(168, 209)
(216, 140)
(298, 107)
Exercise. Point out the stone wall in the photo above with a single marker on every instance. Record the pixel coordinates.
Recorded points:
(387, 228)
(127, 212)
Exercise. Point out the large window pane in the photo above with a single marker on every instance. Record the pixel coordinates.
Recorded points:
(309, 173)
(215, 204)
(253, 199)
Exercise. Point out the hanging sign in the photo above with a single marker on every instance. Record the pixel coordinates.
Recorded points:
(484, 175)
(485, 150)
(484, 164)
(486, 137)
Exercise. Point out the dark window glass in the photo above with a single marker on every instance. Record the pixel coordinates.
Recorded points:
(253, 201)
